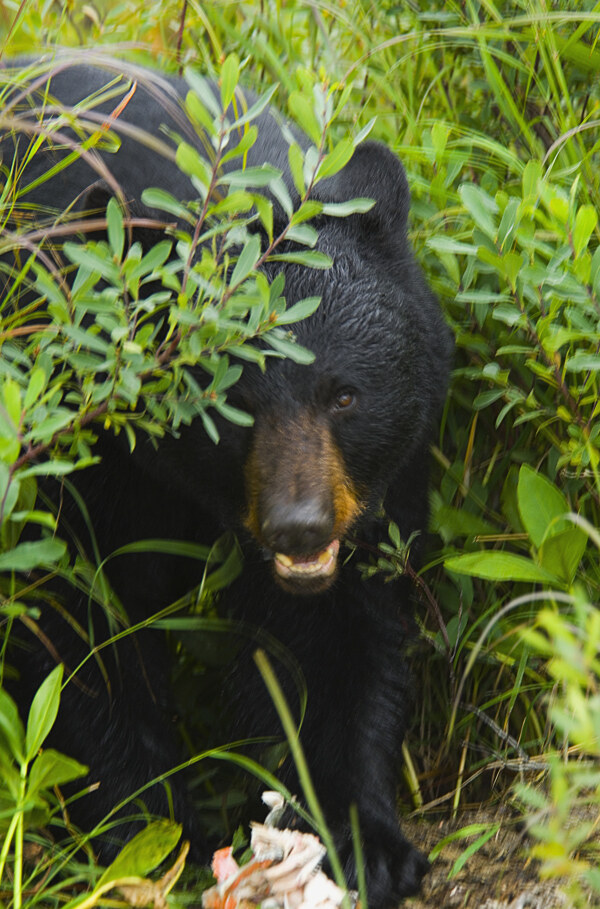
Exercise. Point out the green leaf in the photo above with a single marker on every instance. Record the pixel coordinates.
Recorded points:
(199, 113)
(499, 566)
(296, 162)
(585, 223)
(164, 201)
(582, 362)
(230, 73)
(300, 310)
(311, 258)
(562, 552)
(255, 109)
(471, 849)
(302, 111)
(43, 711)
(290, 349)
(539, 502)
(304, 234)
(191, 162)
(115, 230)
(259, 176)
(448, 245)
(358, 206)
(480, 206)
(37, 383)
(97, 260)
(203, 89)
(27, 556)
(50, 768)
(11, 727)
(337, 159)
(144, 852)
(247, 260)
(531, 180)
(11, 393)
(239, 417)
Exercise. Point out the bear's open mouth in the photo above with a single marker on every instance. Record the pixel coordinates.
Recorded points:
(320, 565)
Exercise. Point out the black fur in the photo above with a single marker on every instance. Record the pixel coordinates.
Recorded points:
(377, 333)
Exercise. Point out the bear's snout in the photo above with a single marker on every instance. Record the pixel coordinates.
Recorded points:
(300, 499)
(299, 528)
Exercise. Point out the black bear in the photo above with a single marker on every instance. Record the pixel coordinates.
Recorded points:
(337, 449)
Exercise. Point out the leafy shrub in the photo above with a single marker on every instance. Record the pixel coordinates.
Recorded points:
(101, 333)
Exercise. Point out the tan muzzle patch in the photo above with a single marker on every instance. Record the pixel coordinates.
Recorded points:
(300, 500)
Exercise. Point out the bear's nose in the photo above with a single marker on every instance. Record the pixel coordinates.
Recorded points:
(298, 528)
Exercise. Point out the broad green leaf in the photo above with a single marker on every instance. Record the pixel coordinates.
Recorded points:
(230, 73)
(11, 727)
(239, 417)
(255, 109)
(281, 193)
(290, 349)
(55, 468)
(50, 768)
(311, 258)
(209, 427)
(337, 159)
(259, 176)
(202, 87)
(27, 556)
(264, 208)
(585, 223)
(43, 711)
(199, 113)
(447, 244)
(164, 201)
(439, 139)
(304, 234)
(582, 362)
(11, 392)
(358, 206)
(309, 209)
(480, 206)
(154, 258)
(9, 491)
(144, 852)
(302, 111)
(97, 260)
(247, 259)
(500, 566)
(115, 230)
(530, 181)
(37, 383)
(191, 162)
(298, 311)
(471, 849)
(562, 552)
(540, 502)
(243, 146)
(296, 162)
(234, 203)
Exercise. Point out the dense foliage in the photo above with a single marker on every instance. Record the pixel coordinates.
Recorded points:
(494, 109)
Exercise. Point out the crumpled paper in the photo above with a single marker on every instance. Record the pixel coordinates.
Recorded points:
(284, 872)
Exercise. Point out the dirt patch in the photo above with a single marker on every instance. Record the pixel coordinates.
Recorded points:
(498, 876)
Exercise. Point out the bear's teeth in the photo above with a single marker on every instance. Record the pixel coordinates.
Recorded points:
(322, 564)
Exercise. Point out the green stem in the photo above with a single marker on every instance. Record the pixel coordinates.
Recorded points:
(297, 752)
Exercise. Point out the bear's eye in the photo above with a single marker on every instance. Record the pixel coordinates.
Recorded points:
(344, 400)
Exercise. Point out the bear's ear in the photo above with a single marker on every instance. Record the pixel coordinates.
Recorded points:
(376, 173)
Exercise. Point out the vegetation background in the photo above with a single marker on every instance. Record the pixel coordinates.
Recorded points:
(494, 109)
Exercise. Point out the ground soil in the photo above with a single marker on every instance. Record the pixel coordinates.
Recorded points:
(498, 876)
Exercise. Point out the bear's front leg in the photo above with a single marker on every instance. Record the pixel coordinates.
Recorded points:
(348, 642)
